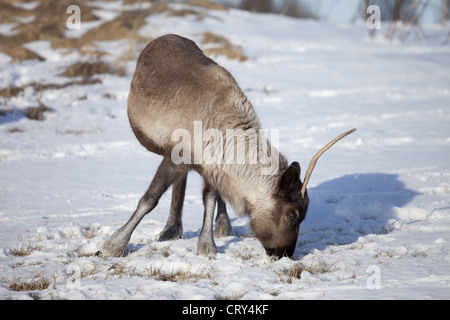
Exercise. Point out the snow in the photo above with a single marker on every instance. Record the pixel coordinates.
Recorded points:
(378, 224)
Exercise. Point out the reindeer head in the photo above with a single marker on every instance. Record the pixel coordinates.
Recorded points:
(278, 230)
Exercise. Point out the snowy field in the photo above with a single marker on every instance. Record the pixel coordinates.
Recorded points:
(378, 225)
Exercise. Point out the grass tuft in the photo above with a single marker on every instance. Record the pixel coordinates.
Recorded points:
(19, 53)
(37, 113)
(295, 271)
(88, 69)
(25, 250)
(175, 275)
(218, 45)
(36, 283)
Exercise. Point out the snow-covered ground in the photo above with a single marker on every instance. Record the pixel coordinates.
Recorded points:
(378, 225)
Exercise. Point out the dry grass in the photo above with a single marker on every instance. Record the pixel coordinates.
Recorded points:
(88, 232)
(14, 130)
(207, 4)
(219, 45)
(157, 252)
(19, 53)
(128, 22)
(36, 283)
(120, 270)
(25, 249)
(246, 254)
(180, 274)
(88, 69)
(124, 26)
(11, 14)
(13, 91)
(32, 113)
(295, 271)
(37, 113)
(10, 91)
(49, 23)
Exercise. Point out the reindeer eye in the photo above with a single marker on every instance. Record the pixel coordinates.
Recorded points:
(293, 216)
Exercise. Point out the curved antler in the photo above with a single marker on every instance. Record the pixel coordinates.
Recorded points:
(316, 157)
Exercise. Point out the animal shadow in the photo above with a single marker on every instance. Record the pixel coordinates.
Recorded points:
(343, 209)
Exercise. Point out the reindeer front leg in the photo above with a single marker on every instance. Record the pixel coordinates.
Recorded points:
(167, 174)
(205, 244)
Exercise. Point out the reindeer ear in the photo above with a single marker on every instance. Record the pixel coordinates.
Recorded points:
(290, 180)
(297, 166)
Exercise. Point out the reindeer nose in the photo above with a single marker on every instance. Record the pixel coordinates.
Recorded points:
(281, 252)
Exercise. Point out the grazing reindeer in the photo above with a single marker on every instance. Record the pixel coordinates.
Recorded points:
(177, 89)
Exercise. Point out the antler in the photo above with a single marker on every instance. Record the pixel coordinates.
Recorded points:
(316, 157)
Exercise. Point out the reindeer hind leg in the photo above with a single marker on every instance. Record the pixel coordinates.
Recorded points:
(174, 227)
(223, 224)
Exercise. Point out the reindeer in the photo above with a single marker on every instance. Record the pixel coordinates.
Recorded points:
(176, 87)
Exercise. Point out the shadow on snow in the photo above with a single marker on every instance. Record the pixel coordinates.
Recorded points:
(343, 209)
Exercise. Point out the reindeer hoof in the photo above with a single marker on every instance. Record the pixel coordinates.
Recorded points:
(173, 232)
(207, 252)
(100, 254)
(105, 254)
(110, 249)
(223, 227)
(206, 248)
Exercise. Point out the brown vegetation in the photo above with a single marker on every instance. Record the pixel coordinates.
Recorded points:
(87, 69)
(19, 53)
(47, 21)
(13, 91)
(11, 13)
(37, 283)
(50, 24)
(37, 113)
(222, 46)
